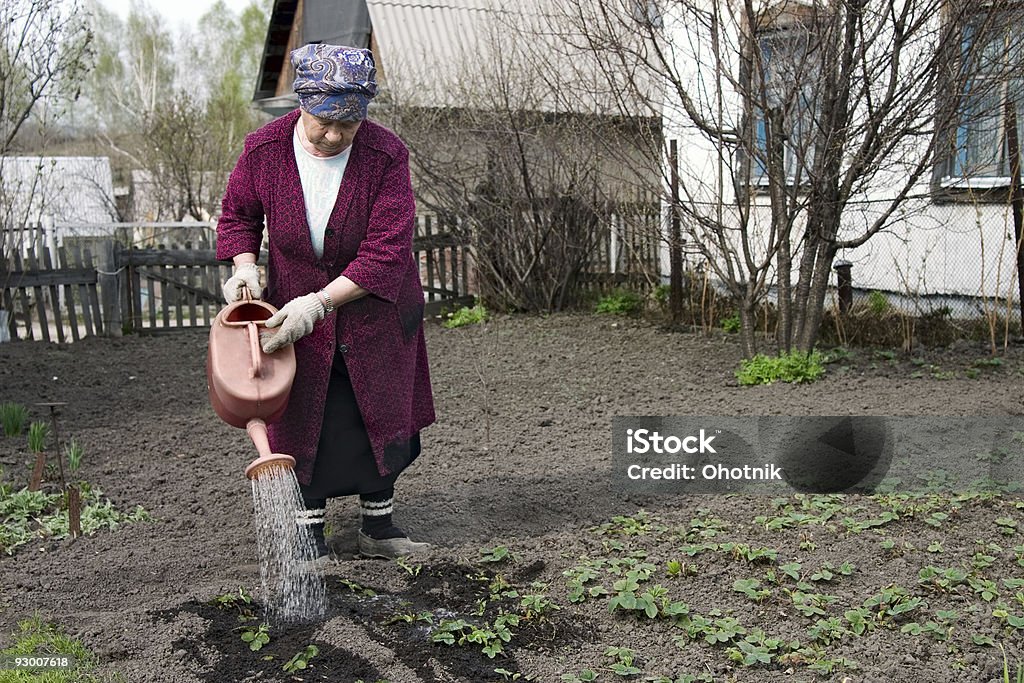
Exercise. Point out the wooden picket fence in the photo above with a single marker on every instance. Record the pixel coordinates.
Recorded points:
(57, 299)
(97, 287)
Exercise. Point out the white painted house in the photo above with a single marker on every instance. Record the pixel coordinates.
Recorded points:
(950, 242)
(44, 192)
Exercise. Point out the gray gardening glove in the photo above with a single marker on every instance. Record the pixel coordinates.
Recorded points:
(246, 276)
(296, 319)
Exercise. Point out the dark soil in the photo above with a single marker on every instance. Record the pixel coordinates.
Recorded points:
(519, 457)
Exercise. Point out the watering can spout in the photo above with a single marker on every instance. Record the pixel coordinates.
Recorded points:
(268, 460)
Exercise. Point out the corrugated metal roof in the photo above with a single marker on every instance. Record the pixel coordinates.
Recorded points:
(456, 53)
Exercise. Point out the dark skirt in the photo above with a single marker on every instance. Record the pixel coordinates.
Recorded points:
(344, 463)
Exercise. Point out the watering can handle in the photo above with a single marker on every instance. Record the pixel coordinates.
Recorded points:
(255, 366)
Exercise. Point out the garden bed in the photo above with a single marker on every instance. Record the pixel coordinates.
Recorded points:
(519, 460)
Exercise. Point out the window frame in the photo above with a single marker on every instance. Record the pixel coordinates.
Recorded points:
(952, 177)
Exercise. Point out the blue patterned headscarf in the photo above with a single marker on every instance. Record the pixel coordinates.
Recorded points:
(334, 82)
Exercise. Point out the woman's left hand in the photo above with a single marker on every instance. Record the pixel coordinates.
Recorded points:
(296, 319)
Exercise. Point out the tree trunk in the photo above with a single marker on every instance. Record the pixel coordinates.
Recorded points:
(748, 323)
(814, 307)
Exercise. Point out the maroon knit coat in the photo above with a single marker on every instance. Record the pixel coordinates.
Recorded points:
(369, 240)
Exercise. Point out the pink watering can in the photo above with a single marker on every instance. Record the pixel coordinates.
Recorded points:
(248, 387)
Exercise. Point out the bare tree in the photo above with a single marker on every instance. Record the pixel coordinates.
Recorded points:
(44, 51)
(791, 113)
(177, 109)
(528, 181)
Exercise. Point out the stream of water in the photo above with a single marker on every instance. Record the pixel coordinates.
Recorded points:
(293, 586)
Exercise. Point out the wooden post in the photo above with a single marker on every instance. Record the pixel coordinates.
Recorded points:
(675, 243)
(1016, 199)
(108, 279)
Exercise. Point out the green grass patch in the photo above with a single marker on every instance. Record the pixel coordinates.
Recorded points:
(38, 639)
(794, 367)
(13, 417)
(620, 302)
(466, 316)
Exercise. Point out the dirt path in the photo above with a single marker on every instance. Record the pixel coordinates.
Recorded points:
(519, 458)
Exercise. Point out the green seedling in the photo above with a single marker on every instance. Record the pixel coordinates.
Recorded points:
(13, 417)
(498, 553)
(73, 451)
(742, 551)
(623, 664)
(860, 619)
(941, 580)
(825, 665)
(37, 433)
(985, 588)
(585, 676)
(828, 571)
(232, 599)
(462, 632)
(751, 588)
(791, 569)
(811, 604)
(929, 628)
(301, 659)
(1019, 677)
(676, 569)
(827, 631)
(891, 603)
(754, 649)
(982, 561)
(410, 569)
(408, 618)
(357, 588)
(1007, 525)
(537, 605)
(639, 524)
(257, 638)
(705, 526)
(512, 675)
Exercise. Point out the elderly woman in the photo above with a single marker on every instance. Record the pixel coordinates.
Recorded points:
(335, 192)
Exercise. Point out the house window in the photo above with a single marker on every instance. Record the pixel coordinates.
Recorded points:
(992, 59)
(783, 92)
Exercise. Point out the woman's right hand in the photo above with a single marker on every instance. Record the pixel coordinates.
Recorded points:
(246, 276)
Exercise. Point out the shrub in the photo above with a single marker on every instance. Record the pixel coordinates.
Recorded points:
(661, 294)
(793, 367)
(878, 303)
(620, 302)
(466, 316)
(732, 323)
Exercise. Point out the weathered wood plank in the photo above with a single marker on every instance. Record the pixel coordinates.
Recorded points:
(173, 257)
(47, 260)
(83, 293)
(94, 296)
(69, 294)
(51, 278)
(430, 258)
(44, 324)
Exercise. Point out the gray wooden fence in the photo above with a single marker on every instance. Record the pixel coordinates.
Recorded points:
(97, 286)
